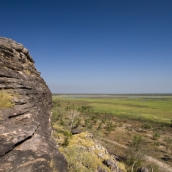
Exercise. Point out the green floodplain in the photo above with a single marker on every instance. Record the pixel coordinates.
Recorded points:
(153, 108)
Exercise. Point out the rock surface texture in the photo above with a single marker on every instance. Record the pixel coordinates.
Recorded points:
(25, 130)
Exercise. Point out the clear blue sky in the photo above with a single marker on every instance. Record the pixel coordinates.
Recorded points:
(95, 46)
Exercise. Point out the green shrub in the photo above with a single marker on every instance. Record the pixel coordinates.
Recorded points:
(66, 141)
(156, 136)
(55, 117)
(110, 126)
(67, 134)
(146, 126)
(136, 141)
(84, 109)
(100, 126)
(62, 121)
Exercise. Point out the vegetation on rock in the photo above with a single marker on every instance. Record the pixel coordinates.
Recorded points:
(6, 99)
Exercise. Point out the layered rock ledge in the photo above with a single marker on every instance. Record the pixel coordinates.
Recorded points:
(26, 144)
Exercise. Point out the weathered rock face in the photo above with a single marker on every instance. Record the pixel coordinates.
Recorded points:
(25, 130)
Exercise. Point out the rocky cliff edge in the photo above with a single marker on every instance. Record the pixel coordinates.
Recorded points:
(25, 129)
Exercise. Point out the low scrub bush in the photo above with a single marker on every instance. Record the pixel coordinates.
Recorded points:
(137, 142)
(84, 109)
(156, 136)
(66, 141)
(100, 125)
(146, 126)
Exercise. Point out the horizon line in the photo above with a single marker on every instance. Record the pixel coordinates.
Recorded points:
(112, 93)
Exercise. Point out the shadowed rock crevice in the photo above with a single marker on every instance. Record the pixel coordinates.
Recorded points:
(18, 114)
(25, 129)
(17, 144)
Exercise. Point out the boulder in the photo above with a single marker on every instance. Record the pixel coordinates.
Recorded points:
(100, 169)
(75, 131)
(142, 169)
(112, 165)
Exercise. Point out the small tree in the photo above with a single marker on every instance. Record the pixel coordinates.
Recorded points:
(73, 115)
(135, 158)
(136, 153)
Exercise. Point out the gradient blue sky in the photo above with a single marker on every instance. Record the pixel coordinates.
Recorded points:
(95, 46)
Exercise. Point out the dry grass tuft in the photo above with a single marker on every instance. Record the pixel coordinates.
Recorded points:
(6, 99)
(53, 166)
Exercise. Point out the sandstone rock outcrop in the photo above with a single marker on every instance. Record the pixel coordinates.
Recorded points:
(25, 129)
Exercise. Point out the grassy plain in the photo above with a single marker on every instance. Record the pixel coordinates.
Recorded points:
(148, 108)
